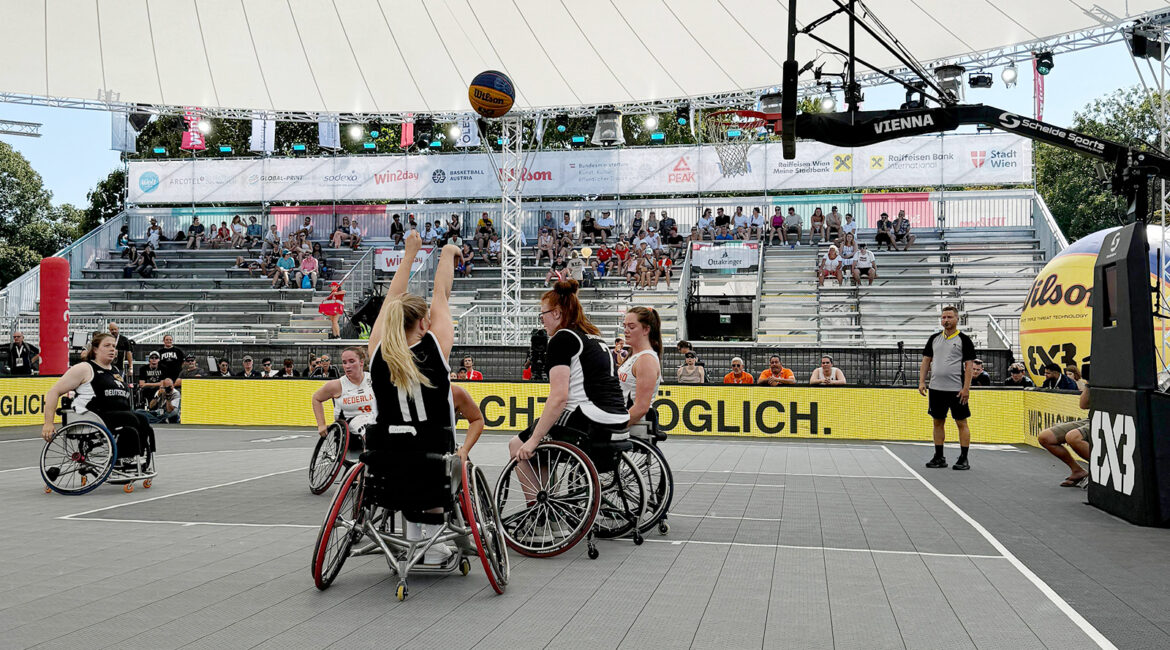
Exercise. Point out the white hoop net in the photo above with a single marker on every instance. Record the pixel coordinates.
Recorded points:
(732, 133)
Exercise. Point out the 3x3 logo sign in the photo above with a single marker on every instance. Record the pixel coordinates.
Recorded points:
(1114, 438)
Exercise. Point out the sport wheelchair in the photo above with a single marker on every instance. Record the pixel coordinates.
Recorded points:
(571, 488)
(83, 454)
(366, 504)
(644, 437)
(329, 456)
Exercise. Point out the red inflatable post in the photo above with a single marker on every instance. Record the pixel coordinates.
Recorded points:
(54, 316)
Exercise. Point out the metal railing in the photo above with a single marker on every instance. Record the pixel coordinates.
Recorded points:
(181, 328)
(1003, 333)
(465, 332)
(1052, 239)
(422, 279)
(358, 282)
(484, 325)
(684, 288)
(131, 325)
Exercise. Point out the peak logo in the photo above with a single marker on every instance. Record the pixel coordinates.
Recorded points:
(398, 176)
(148, 182)
(681, 173)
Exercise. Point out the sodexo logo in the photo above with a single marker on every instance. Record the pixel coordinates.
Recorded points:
(148, 182)
(439, 176)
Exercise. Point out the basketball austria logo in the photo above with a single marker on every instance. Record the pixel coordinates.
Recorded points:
(1111, 464)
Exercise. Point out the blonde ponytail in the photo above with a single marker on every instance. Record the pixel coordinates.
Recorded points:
(402, 313)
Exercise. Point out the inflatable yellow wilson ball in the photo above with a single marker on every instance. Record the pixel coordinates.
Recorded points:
(491, 93)
(1056, 325)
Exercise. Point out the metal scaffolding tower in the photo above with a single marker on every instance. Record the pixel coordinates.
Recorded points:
(510, 170)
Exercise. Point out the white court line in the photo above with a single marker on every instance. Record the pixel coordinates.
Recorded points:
(822, 548)
(728, 471)
(775, 485)
(679, 514)
(17, 469)
(187, 453)
(1060, 603)
(191, 523)
(167, 496)
(3, 442)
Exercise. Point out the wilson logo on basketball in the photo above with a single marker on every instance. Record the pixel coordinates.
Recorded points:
(978, 158)
(682, 172)
(489, 98)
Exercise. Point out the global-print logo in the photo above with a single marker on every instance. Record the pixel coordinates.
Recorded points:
(438, 176)
(148, 182)
(978, 158)
(253, 179)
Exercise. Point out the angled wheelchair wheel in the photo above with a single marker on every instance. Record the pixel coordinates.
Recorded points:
(479, 511)
(78, 458)
(623, 500)
(548, 503)
(340, 530)
(328, 457)
(659, 483)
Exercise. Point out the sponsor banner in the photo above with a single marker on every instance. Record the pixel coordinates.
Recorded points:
(192, 137)
(925, 160)
(263, 136)
(22, 400)
(725, 256)
(388, 259)
(468, 131)
(204, 402)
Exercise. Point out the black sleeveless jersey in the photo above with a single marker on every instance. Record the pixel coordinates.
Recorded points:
(593, 379)
(105, 393)
(430, 412)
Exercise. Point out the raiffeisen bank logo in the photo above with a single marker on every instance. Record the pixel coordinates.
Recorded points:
(148, 182)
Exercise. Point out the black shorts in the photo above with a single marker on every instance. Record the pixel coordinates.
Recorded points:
(569, 428)
(883, 237)
(943, 400)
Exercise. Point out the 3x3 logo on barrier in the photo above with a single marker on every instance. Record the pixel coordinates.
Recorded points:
(1114, 438)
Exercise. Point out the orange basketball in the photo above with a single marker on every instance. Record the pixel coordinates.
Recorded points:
(491, 93)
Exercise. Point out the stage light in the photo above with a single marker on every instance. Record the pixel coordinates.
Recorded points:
(828, 104)
(423, 127)
(771, 103)
(682, 114)
(204, 127)
(298, 147)
(1009, 75)
(356, 132)
(607, 130)
(980, 80)
(658, 136)
(160, 150)
(734, 133)
(578, 139)
(454, 132)
(374, 134)
(436, 143)
(223, 148)
(651, 122)
(369, 145)
(562, 123)
(1044, 62)
(950, 80)
(1145, 44)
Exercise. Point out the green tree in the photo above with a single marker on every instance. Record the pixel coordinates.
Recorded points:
(1067, 180)
(105, 201)
(30, 227)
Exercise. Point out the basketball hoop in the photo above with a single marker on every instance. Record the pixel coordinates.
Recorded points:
(732, 133)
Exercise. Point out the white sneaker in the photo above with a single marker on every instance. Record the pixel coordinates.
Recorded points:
(437, 555)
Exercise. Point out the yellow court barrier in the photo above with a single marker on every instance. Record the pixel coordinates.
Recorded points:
(251, 402)
(22, 400)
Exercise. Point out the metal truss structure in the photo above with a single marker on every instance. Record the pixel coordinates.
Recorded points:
(12, 127)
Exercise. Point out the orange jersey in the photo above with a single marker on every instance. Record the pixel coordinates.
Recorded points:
(784, 374)
(744, 378)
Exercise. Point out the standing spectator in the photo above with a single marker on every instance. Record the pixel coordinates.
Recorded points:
(738, 375)
(831, 265)
(272, 240)
(287, 371)
(22, 356)
(864, 265)
(776, 373)
(706, 225)
(605, 225)
(1075, 434)
(249, 371)
(124, 357)
(665, 224)
(548, 222)
(902, 231)
(266, 369)
(568, 228)
(164, 405)
(1017, 377)
(170, 358)
(325, 369)
(333, 306)
(816, 229)
(690, 372)
(948, 356)
(254, 233)
(191, 370)
(827, 374)
(284, 266)
(588, 228)
(833, 225)
(396, 231)
(239, 231)
(576, 266)
(979, 377)
(195, 233)
(150, 377)
(468, 365)
(1054, 379)
(885, 232)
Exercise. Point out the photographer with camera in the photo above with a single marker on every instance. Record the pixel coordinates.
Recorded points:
(164, 406)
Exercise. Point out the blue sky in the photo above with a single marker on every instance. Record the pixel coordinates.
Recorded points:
(73, 153)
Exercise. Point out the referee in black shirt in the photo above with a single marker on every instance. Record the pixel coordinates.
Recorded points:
(949, 356)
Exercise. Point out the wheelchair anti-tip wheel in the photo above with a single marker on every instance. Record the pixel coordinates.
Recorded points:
(659, 485)
(78, 458)
(328, 457)
(480, 514)
(548, 503)
(623, 500)
(340, 530)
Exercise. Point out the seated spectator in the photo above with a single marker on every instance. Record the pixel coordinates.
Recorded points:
(440, 233)
(604, 254)
(885, 232)
(1056, 380)
(665, 224)
(592, 272)
(636, 225)
(902, 232)
(775, 227)
(1075, 434)
(556, 272)
(695, 236)
(468, 367)
(284, 267)
(150, 377)
(459, 375)
(453, 225)
(340, 233)
(849, 227)
(568, 228)
(548, 222)
(757, 224)
(483, 233)
(254, 234)
(690, 372)
(1073, 373)
(684, 347)
(195, 233)
(738, 375)
(816, 228)
(466, 262)
(742, 234)
(653, 239)
(848, 253)
(622, 251)
(266, 369)
(722, 219)
(664, 265)
(827, 375)
(831, 265)
(618, 351)
(287, 370)
(224, 370)
(740, 221)
(306, 228)
(864, 265)
(239, 232)
(222, 237)
(250, 265)
(22, 357)
(833, 225)
(706, 225)
(493, 254)
(632, 267)
(272, 241)
(564, 245)
(164, 405)
(588, 228)
(323, 270)
(776, 373)
(133, 259)
(651, 221)
(429, 236)
(544, 245)
(979, 376)
(324, 369)
(191, 370)
(147, 264)
(249, 371)
(355, 234)
(1017, 377)
(605, 225)
(154, 234)
(123, 241)
(453, 237)
(647, 270)
(724, 234)
(396, 231)
(304, 247)
(676, 244)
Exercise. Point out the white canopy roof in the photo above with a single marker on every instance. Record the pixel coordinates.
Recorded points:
(393, 56)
